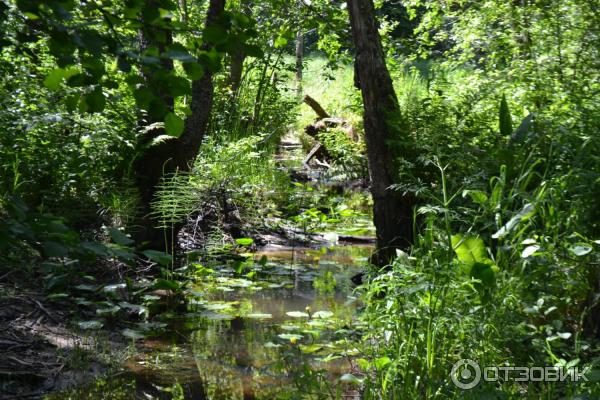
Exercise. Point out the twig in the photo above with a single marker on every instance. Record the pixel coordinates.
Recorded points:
(44, 310)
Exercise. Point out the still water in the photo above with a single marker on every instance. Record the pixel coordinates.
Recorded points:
(252, 330)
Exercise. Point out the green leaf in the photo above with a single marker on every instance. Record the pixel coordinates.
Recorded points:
(289, 336)
(382, 362)
(94, 100)
(131, 334)
(193, 70)
(159, 257)
(54, 79)
(477, 196)
(529, 251)
(527, 212)
(138, 309)
(259, 316)
(119, 237)
(173, 125)
(297, 314)
(280, 42)
(90, 325)
(350, 379)
(469, 250)
(580, 250)
(55, 249)
(244, 241)
(484, 272)
(163, 284)
(323, 314)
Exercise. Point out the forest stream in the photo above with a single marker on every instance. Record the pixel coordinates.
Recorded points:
(247, 338)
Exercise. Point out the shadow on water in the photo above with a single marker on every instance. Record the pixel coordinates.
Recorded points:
(245, 335)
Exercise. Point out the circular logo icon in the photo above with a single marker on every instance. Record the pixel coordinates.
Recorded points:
(465, 374)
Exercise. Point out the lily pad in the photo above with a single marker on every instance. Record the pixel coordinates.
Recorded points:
(323, 314)
(89, 325)
(297, 314)
(259, 316)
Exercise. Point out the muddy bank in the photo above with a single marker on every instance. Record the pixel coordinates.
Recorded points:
(40, 352)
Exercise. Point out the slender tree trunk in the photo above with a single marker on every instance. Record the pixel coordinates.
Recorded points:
(392, 212)
(173, 155)
(299, 59)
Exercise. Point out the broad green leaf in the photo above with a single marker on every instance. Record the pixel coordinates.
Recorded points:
(477, 196)
(94, 100)
(580, 250)
(54, 79)
(55, 249)
(469, 250)
(159, 257)
(193, 70)
(174, 125)
(119, 237)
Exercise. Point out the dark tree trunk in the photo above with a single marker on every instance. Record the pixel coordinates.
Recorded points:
(173, 155)
(236, 69)
(392, 212)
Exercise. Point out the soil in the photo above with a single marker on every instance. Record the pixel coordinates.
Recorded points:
(39, 351)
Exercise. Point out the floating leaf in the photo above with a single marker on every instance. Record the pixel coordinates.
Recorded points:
(135, 335)
(290, 336)
(323, 314)
(89, 325)
(297, 314)
(138, 309)
(259, 316)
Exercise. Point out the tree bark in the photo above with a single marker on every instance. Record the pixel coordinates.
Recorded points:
(299, 59)
(299, 56)
(236, 68)
(174, 155)
(392, 211)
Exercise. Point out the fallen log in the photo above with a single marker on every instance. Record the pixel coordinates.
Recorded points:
(324, 122)
(312, 103)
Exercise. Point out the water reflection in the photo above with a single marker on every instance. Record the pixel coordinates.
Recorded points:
(238, 338)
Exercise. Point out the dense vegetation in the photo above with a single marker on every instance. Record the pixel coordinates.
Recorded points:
(147, 143)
